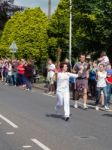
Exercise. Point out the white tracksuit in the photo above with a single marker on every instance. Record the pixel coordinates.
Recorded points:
(63, 93)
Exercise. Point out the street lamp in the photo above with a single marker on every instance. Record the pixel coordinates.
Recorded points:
(70, 32)
(49, 9)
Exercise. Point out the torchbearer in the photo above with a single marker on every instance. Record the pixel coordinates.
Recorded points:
(62, 92)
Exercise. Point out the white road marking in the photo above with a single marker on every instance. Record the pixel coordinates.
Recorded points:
(26, 146)
(40, 144)
(10, 133)
(8, 121)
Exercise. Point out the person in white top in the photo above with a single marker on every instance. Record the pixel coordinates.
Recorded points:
(101, 86)
(10, 81)
(62, 92)
(50, 76)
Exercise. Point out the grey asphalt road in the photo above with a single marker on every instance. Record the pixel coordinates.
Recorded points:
(39, 128)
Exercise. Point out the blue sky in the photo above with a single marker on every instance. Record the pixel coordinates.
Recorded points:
(41, 3)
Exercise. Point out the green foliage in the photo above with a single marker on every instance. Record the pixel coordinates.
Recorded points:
(92, 25)
(4, 51)
(58, 31)
(36, 37)
(29, 30)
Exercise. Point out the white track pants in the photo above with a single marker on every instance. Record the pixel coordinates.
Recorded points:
(63, 98)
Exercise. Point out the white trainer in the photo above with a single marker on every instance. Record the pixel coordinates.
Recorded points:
(97, 108)
(85, 106)
(49, 93)
(106, 108)
(76, 104)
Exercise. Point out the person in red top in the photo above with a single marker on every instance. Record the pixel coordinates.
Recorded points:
(21, 72)
(109, 82)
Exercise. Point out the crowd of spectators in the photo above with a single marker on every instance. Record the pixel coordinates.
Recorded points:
(94, 80)
(17, 72)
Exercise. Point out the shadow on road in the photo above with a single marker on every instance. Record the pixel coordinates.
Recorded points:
(55, 116)
(81, 107)
(107, 115)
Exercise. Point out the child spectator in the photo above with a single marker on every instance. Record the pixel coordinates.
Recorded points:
(103, 59)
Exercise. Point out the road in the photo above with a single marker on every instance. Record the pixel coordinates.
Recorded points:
(28, 121)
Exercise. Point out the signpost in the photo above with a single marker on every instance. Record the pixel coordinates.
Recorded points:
(13, 48)
(70, 33)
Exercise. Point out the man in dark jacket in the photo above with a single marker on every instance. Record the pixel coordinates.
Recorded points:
(29, 75)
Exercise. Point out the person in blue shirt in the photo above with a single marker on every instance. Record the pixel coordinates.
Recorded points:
(92, 79)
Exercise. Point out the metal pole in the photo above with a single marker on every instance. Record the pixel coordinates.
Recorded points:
(49, 9)
(70, 32)
(13, 56)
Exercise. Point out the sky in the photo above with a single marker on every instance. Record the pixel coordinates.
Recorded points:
(35, 3)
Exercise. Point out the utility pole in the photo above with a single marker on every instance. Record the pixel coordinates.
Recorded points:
(11, 1)
(70, 32)
(49, 9)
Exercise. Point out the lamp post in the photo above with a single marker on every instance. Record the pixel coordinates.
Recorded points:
(49, 9)
(70, 32)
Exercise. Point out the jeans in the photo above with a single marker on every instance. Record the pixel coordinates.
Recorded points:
(28, 83)
(92, 86)
(14, 77)
(63, 98)
(109, 87)
(21, 79)
(5, 75)
(10, 81)
(98, 94)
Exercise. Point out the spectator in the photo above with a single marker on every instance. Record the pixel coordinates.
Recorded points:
(109, 82)
(5, 71)
(1, 73)
(101, 86)
(92, 79)
(82, 68)
(15, 72)
(103, 59)
(50, 76)
(68, 65)
(10, 81)
(29, 75)
(21, 72)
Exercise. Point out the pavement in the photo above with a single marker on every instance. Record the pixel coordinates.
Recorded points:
(41, 86)
(28, 121)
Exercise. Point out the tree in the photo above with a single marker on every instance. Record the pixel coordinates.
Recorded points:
(58, 30)
(6, 10)
(29, 30)
(92, 25)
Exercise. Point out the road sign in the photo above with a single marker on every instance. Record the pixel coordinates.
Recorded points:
(13, 47)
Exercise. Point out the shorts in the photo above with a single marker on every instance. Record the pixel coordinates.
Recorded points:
(81, 84)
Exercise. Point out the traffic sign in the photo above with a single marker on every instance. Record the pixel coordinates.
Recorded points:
(13, 47)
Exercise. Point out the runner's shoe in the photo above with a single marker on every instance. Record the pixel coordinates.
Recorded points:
(97, 108)
(85, 106)
(76, 104)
